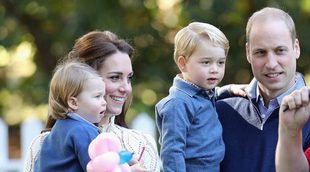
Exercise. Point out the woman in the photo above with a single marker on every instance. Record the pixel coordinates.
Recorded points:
(111, 57)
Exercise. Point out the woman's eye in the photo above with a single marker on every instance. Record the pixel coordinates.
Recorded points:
(114, 77)
(130, 78)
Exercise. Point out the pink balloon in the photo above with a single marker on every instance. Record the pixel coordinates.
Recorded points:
(106, 162)
(104, 142)
(90, 167)
(104, 153)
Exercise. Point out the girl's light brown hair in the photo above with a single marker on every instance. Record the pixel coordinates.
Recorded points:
(94, 48)
(68, 81)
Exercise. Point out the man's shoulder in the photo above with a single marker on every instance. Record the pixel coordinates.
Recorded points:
(232, 101)
(240, 106)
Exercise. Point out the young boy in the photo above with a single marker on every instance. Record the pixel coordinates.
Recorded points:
(76, 101)
(190, 132)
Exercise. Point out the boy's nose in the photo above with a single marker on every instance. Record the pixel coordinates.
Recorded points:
(213, 68)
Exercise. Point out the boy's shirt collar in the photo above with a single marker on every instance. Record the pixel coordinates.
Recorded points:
(190, 88)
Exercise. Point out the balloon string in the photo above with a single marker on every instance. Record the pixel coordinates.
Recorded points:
(143, 148)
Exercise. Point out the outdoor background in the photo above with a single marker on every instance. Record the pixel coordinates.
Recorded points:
(35, 34)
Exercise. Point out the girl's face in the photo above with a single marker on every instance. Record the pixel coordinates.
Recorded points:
(117, 74)
(90, 104)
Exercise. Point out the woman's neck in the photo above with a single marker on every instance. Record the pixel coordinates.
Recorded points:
(105, 120)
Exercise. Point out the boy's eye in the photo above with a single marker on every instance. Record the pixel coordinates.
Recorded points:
(221, 62)
(206, 62)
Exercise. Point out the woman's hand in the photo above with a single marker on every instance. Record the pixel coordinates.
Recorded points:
(135, 166)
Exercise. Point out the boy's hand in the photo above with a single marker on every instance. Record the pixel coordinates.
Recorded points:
(238, 89)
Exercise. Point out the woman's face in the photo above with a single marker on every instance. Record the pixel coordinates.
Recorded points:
(117, 74)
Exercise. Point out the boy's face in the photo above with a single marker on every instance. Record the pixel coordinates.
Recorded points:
(206, 66)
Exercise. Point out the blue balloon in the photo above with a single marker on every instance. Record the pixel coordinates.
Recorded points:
(125, 156)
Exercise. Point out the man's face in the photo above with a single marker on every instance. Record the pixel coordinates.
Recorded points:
(272, 54)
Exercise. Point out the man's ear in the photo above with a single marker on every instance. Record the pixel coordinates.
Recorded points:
(182, 63)
(72, 102)
(247, 51)
(297, 48)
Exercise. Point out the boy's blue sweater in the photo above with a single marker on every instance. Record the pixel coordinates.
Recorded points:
(190, 132)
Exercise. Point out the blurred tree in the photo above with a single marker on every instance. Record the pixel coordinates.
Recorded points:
(35, 34)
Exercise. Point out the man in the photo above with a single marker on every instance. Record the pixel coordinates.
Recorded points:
(250, 124)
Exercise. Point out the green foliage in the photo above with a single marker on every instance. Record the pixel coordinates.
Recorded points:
(52, 26)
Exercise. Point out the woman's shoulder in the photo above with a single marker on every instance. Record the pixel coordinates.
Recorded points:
(38, 141)
(34, 150)
(135, 133)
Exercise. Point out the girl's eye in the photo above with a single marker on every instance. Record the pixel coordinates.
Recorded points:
(99, 95)
(222, 62)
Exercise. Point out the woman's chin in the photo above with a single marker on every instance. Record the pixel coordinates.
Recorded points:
(114, 111)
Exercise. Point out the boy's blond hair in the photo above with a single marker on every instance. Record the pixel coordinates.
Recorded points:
(68, 81)
(188, 38)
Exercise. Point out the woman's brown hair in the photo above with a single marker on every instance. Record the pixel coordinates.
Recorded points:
(93, 48)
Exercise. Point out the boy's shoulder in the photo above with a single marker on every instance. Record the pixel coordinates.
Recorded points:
(175, 100)
(176, 94)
